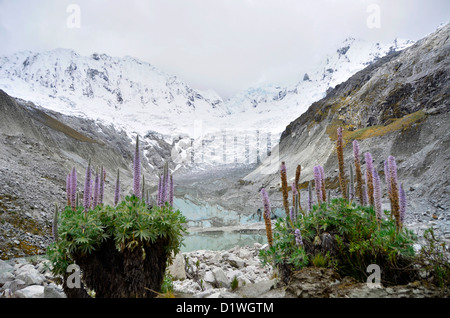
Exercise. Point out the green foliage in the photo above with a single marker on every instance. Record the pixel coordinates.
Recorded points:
(167, 285)
(319, 260)
(234, 283)
(347, 237)
(130, 224)
(285, 250)
(434, 259)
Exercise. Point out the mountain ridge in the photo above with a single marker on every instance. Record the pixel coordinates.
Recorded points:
(112, 88)
(397, 106)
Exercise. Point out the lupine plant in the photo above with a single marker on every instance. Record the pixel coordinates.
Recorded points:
(117, 190)
(394, 195)
(377, 195)
(284, 188)
(369, 176)
(137, 170)
(267, 212)
(340, 155)
(359, 182)
(346, 235)
(123, 250)
(318, 184)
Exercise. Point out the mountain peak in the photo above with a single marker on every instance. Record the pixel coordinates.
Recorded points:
(105, 88)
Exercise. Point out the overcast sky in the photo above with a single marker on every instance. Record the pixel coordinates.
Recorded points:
(224, 45)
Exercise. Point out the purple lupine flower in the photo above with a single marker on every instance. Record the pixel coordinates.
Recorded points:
(117, 190)
(298, 237)
(395, 204)
(96, 189)
(163, 189)
(292, 214)
(365, 196)
(402, 199)
(102, 186)
(392, 166)
(322, 183)
(171, 191)
(369, 176)
(159, 198)
(356, 150)
(137, 170)
(166, 186)
(377, 194)
(266, 202)
(68, 188)
(87, 188)
(310, 199)
(318, 186)
(387, 177)
(294, 189)
(73, 189)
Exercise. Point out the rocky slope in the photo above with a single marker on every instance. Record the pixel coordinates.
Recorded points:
(37, 150)
(397, 106)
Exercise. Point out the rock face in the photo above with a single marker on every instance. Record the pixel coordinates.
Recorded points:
(37, 151)
(397, 106)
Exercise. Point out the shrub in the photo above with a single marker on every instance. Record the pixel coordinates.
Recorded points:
(349, 237)
(122, 251)
(434, 259)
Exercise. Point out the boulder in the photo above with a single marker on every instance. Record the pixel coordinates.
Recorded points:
(14, 285)
(29, 275)
(53, 291)
(221, 278)
(32, 291)
(177, 269)
(235, 261)
(209, 278)
(5, 267)
(6, 277)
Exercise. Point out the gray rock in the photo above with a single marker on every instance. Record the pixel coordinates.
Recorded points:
(6, 277)
(177, 269)
(14, 285)
(209, 278)
(53, 291)
(32, 291)
(5, 267)
(221, 279)
(235, 261)
(30, 275)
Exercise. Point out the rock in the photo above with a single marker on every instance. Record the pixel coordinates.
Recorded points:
(177, 269)
(209, 278)
(30, 275)
(6, 277)
(53, 291)
(221, 279)
(221, 293)
(14, 285)
(5, 267)
(32, 291)
(245, 254)
(235, 261)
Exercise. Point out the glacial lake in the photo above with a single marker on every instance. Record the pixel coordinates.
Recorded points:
(217, 228)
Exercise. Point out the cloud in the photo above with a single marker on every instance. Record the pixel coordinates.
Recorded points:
(225, 45)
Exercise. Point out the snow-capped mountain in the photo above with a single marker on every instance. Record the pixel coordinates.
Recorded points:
(269, 104)
(124, 91)
(137, 97)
